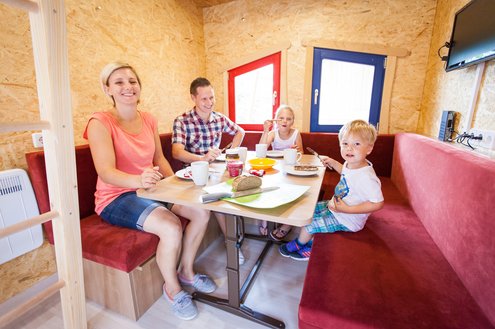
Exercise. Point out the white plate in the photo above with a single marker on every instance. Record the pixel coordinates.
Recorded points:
(267, 200)
(292, 171)
(221, 157)
(184, 174)
(275, 154)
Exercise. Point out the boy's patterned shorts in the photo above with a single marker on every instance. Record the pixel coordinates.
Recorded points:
(324, 221)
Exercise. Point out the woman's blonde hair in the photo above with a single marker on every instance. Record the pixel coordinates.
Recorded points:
(112, 67)
(361, 128)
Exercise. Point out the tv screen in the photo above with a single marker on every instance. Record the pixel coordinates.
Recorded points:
(473, 35)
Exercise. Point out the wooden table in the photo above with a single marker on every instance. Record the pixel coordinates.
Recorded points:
(296, 213)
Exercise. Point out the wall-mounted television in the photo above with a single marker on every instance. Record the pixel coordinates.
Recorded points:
(473, 35)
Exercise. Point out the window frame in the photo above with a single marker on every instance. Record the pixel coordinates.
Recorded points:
(393, 55)
(378, 61)
(274, 59)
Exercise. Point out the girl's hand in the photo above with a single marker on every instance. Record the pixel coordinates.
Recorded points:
(150, 176)
(267, 125)
(295, 147)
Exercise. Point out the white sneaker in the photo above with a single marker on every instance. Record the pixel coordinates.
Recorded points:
(241, 257)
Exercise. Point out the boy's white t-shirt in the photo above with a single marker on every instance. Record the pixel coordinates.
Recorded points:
(357, 186)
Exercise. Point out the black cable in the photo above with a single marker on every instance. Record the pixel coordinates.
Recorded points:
(445, 45)
(465, 139)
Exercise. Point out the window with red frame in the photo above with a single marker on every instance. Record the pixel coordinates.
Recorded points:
(254, 92)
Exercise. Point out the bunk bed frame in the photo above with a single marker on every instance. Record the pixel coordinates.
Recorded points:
(48, 32)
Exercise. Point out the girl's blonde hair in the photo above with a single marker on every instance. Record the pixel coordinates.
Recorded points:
(112, 67)
(361, 128)
(284, 107)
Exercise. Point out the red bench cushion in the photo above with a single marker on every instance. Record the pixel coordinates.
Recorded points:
(110, 245)
(389, 275)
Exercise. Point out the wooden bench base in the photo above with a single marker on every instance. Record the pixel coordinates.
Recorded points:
(132, 294)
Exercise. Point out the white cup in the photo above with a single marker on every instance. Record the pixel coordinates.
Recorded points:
(261, 150)
(242, 153)
(291, 156)
(199, 171)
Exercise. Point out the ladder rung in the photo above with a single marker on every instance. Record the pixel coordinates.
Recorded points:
(24, 126)
(27, 5)
(27, 223)
(31, 302)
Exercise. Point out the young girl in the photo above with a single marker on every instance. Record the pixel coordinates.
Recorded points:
(281, 138)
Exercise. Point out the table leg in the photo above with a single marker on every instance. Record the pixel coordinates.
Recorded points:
(234, 302)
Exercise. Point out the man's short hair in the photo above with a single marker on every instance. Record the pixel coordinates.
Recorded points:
(198, 82)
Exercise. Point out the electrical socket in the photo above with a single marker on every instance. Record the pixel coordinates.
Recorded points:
(488, 138)
(37, 139)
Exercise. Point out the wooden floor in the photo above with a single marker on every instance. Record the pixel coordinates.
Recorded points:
(276, 293)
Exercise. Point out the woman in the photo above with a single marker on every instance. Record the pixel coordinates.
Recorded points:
(127, 154)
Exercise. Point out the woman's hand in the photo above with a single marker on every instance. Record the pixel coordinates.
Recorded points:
(150, 176)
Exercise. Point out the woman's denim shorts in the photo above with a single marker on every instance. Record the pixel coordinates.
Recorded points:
(129, 210)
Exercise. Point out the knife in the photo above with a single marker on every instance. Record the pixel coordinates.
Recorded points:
(210, 197)
(318, 156)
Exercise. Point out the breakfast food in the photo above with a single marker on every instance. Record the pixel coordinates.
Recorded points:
(306, 168)
(244, 182)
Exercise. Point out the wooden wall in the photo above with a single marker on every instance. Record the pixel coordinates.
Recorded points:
(452, 91)
(162, 39)
(257, 25)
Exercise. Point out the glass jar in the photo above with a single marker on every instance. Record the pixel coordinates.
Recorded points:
(232, 155)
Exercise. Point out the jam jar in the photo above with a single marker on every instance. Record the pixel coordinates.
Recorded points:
(232, 155)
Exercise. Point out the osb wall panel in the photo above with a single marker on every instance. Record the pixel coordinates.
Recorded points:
(257, 25)
(453, 91)
(163, 39)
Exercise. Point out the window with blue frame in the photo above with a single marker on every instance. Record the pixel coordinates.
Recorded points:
(346, 86)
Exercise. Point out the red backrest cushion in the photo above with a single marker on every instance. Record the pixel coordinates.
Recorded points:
(452, 192)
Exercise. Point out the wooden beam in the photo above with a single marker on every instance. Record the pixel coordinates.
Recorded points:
(358, 47)
(24, 126)
(30, 303)
(27, 223)
(27, 5)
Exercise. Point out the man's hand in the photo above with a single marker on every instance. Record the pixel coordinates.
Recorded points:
(211, 155)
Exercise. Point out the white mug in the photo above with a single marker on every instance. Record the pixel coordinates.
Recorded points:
(242, 153)
(199, 171)
(261, 150)
(291, 156)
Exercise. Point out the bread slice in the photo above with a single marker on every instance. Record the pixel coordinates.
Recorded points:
(306, 168)
(244, 182)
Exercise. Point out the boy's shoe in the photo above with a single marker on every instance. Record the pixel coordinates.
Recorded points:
(200, 282)
(288, 248)
(182, 305)
(302, 254)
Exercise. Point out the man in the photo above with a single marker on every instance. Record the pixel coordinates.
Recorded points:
(198, 132)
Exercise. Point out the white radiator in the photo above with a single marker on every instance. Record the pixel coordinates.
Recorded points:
(17, 202)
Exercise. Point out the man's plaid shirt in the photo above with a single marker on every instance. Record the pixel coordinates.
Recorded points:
(198, 136)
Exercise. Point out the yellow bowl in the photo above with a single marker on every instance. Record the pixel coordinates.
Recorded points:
(262, 163)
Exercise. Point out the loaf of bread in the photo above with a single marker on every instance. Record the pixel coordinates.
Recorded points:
(245, 182)
(306, 168)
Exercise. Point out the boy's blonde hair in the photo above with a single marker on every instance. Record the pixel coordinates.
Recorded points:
(112, 67)
(361, 128)
(284, 107)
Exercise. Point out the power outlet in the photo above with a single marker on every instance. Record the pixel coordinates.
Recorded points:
(488, 138)
(37, 139)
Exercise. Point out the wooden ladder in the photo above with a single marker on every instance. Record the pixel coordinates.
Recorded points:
(48, 32)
